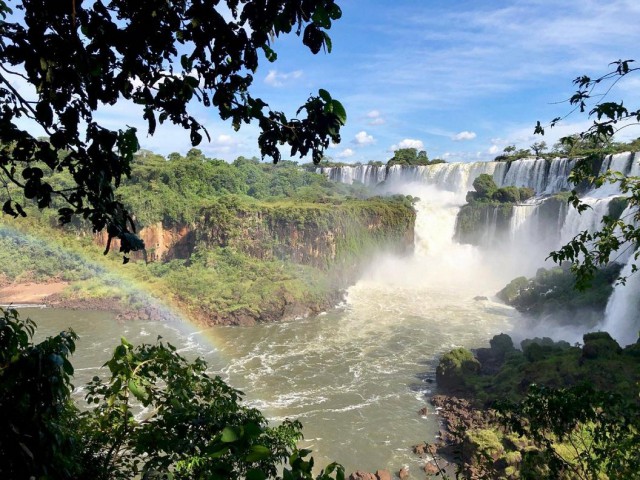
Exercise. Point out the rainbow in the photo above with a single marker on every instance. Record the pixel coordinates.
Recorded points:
(113, 275)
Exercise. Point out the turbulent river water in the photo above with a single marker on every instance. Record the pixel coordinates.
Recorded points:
(356, 376)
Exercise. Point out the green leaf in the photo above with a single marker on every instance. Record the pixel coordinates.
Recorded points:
(229, 435)
(339, 111)
(255, 474)
(321, 17)
(257, 453)
(138, 391)
(326, 96)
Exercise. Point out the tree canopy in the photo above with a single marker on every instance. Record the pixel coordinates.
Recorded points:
(79, 57)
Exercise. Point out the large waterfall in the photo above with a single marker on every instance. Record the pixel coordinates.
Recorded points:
(535, 228)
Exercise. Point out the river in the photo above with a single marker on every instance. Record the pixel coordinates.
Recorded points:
(356, 376)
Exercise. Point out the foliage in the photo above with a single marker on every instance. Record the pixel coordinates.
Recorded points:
(486, 190)
(454, 367)
(38, 421)
(538, 148)
(510, 154)
(588, 250)
(178, 189)
(411, 156)
(192, 425)
(84, 56)
(578, 432)
(551, 294)
(551, 411)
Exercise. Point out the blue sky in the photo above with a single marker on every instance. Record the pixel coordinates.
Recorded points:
(460, 79)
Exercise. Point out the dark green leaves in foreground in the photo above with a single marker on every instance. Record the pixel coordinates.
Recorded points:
(156, 416)
(590, 250)
(79, 57)
(578, 432)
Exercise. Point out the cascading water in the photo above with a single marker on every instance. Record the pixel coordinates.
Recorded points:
(541, 225)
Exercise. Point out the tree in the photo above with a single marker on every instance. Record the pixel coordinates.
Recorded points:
(577, 432)
(81, 56)
(587, 251)
(538, 148)
(411, 156)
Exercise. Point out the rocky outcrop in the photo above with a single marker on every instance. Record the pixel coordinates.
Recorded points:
(483, 224)
(319, 235)
(162, 242)
(267, 243)
(379, 475)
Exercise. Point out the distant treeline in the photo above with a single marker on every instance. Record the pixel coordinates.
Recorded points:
(568, 147)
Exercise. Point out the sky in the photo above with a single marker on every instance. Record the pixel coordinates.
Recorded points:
(459, 79)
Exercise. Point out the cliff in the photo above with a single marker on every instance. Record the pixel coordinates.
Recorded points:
(323, 236)
(244, 261)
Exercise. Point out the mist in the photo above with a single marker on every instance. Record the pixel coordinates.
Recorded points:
(442, 267)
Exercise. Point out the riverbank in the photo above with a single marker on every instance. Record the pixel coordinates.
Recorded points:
(31, 293)
(282, 307)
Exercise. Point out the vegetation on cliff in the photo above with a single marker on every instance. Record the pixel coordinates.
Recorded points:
(486, 191)
(412, 157)
(230, 243)
(488, 208)
(552, 294)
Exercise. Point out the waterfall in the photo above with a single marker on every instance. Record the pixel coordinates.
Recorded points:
(622, 317)
(590, 219)
(520, 219)
(515, 245)
(543, 176)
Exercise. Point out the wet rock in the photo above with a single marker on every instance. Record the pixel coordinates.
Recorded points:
(403, 473)
(360, 475)
(383, 474)
(423, 449)
(423, 411)
(480, 298)
(430, 468)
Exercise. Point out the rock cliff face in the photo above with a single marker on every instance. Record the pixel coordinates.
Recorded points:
(321, 236)
(163, 243)
(332, 243)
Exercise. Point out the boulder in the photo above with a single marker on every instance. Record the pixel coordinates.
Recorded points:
(404, 473)
(383, 474)
(453, 367)
(430, 468)
(360, 475)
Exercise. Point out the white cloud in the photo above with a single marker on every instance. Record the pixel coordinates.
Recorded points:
(375, 118)
(493, 149)
(465, 135)
(363, 138)
(279, 79)
(346, 153)
(226, 140)
(408, 143)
